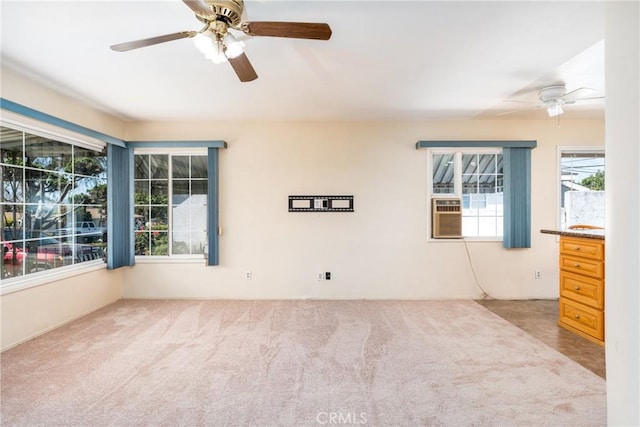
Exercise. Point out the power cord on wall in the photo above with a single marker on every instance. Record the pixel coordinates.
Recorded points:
(485, 294)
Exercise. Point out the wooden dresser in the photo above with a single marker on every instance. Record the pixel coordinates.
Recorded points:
(581, 304)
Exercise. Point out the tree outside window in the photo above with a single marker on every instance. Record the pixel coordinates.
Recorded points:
(48, 187)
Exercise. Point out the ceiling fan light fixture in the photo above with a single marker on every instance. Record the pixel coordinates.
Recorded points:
(233, 47)
(210, 47)
(217, 55)
(554, 110)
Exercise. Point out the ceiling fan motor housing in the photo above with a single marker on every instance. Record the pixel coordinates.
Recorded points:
(229, 11)
(551, 94)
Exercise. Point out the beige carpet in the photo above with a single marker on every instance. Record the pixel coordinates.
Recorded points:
(303, 363)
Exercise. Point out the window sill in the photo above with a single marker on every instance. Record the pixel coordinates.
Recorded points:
(170, 260)
(42, 278)
(467, 239)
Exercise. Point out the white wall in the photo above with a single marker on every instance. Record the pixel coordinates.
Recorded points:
(34, 311)
(380, 250)
(622, 291)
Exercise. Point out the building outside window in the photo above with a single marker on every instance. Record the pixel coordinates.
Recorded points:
(53, 204)
(582, 187)
(170, 211)
(476, 177)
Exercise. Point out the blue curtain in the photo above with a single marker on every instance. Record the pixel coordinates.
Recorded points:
(517, 197)
(119, 206)
(212, 207)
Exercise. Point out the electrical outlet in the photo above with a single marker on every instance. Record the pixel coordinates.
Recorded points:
(538, 274)
(320, 276)
(247, 275)
(327, 275)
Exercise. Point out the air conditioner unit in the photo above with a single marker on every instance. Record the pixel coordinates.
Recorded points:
(446, 220)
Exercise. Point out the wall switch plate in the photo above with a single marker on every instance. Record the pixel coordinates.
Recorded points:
(320, 276)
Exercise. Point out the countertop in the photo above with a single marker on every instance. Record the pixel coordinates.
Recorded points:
(585, 233)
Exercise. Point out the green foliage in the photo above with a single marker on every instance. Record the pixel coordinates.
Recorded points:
(159, 242)
(98, 195)
(48, 181)
(142, 243)
(158, 199)
(594, 182)
(89, 166)
(7, 222)
(83, 214)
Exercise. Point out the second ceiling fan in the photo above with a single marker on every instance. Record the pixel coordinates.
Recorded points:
(218, 44)
(552, 98)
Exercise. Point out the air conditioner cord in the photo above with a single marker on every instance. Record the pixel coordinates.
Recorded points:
(485, 294)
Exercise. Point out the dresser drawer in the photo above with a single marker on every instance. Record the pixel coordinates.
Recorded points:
(587, 267)
(580, 288)
(587, 248)
(582, 318)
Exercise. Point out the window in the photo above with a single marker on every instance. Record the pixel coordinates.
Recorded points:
(170, 204)
(476, 176)
(53, 203)
(86, 177)
(581, 186)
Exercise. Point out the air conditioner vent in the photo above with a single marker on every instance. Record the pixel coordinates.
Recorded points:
(446, 219)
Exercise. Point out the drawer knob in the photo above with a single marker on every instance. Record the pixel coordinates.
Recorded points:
(577, 288)
(576, 265)
(577, 316)
(577, 248)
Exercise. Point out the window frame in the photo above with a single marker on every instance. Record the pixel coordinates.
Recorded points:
(517, 168)
(170, 152)
(561, 149)
(458, 152)
(32, 127)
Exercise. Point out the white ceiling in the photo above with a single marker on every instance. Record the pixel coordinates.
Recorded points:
(389, 60)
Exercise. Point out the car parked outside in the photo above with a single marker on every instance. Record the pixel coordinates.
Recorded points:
(12, 259)
(87, 232)
(43, 253)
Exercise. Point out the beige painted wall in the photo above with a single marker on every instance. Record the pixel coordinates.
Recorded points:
(17, 87)
(34, 311)
(380, 250)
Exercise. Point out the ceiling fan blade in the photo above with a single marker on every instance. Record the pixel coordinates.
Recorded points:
(123, 47)
(243, 68)
(200, 9)
(572, 95)
(298, 30)
(587, 99)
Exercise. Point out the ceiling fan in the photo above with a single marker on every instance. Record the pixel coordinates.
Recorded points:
(218, 44)
(553, 97)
